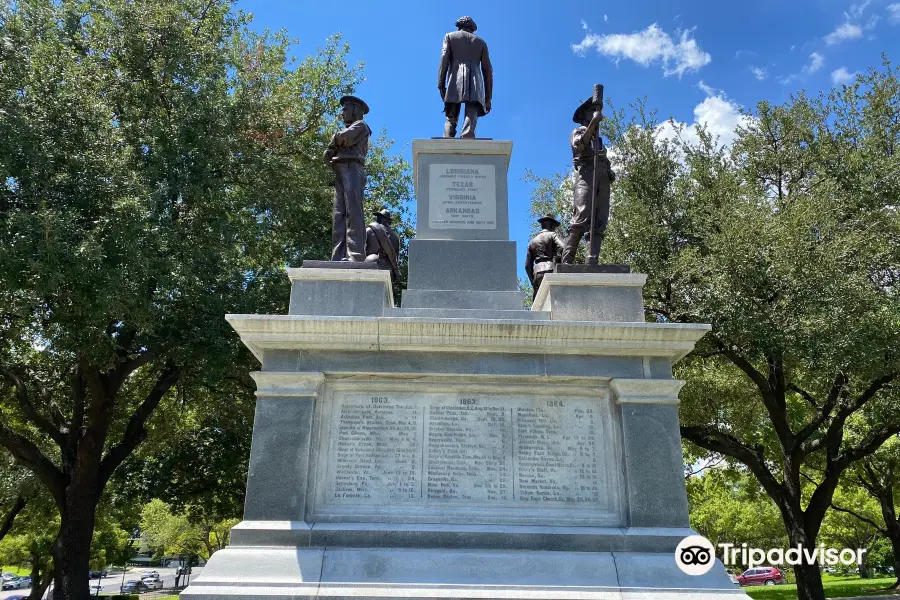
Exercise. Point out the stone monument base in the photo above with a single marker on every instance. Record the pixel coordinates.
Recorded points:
(376, 573)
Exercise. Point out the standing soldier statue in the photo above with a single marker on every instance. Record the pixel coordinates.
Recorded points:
(346, 154)
(593, 175)
(464, 58)
(544, 251)
(382, 244)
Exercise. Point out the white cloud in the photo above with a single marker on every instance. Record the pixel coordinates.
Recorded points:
(759, 73)
(649, 46)
(720, 115)
(846, 31)
(856, 10)
(584, 25)
(816, 61)
(792, 47)
(606, 18)
(709, 91)
(842, 76)
(894, 13)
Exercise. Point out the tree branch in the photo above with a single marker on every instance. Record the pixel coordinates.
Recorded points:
(31, 457)
(134, 431)
(860, 517)
(723, 443)
(30, 412)
(14, 511)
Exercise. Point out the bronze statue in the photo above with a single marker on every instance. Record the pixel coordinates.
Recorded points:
(346, 154)
(590, 210)
(465, 59)
(544, 251)
(382, 244)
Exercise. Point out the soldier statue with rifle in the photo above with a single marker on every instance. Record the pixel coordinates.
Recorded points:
(593, 176)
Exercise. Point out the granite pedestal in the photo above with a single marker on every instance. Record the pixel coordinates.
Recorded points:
(459, 446)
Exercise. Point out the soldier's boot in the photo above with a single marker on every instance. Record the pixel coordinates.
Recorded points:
(450, 128)
(596, 241)
(571, 247)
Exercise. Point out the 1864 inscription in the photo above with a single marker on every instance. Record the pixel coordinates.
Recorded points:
(451, 449)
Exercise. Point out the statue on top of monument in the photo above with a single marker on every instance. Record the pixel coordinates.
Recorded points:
(593, 176)
(382, 243)
(346, 154)
(544, 251)
(465, 77)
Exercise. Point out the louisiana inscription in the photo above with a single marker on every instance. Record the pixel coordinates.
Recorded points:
(475, 450)
(462, 196)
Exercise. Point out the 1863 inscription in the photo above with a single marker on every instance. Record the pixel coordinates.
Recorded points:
(451, 449)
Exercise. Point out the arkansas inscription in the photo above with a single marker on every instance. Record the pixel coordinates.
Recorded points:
(450, 451)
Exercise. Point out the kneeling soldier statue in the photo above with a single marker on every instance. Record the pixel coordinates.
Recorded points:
(382, 244)
(544, 251)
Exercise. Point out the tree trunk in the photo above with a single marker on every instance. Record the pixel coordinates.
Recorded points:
(809, 578)
(809, 582)
(40, 577)
(894, 536)
(72, 549)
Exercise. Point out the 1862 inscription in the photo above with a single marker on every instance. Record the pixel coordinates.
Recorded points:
(448, 449)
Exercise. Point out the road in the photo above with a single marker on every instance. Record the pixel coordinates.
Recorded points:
(111, 584)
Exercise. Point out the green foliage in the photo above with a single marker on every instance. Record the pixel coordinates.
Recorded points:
(728, 506)
(160, 166)
(788, 244)
(836, 586)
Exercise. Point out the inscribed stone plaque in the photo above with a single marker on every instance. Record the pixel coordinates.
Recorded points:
(465, 456)
(462, 196)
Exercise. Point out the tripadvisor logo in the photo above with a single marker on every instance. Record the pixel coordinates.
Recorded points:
(695, 555)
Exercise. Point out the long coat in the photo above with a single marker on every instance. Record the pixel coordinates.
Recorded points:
(465, 59)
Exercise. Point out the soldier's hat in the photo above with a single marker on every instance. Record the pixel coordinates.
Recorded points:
(384, 213)
(365, 107)
(550, 218)
(586, 105)
(467, 23)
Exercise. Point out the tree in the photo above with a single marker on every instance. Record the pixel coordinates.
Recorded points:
(728, 506)
(788, 243)
(879, 477)
(161, 164)
(859, 533)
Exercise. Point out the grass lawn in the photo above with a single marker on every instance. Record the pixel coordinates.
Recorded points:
(836, 586)
(18, 571)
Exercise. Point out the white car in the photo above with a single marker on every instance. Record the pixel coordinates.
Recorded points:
(154, 583)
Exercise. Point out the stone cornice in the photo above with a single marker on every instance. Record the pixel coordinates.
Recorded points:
(646, 391)
(298, 332)
(278, 383)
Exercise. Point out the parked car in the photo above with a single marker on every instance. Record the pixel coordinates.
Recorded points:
(150, 575)
(733, 578)
(16, 597)
(17, 583)
(154, 583)
(134, 586)
(7, 576)
(761, 576)
(98, 574)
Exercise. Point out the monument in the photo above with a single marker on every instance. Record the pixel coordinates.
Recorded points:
(459, 446)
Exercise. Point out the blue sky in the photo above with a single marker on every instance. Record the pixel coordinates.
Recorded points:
(695, 61)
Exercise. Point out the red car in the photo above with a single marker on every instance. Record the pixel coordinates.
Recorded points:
(761, 576)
